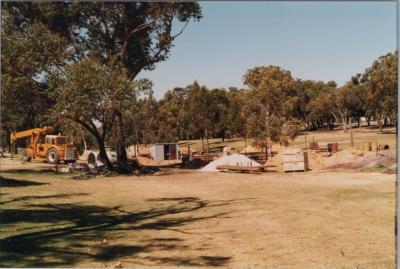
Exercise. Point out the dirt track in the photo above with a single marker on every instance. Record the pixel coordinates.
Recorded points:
(191, 219)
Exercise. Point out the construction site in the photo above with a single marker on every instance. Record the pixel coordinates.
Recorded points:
(200, 134)
(324, 203)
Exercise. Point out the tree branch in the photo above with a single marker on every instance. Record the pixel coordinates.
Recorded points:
(84, 124)
(156, 56)
(127, 39)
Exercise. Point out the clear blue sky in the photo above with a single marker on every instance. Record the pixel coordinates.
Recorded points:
(314, 40)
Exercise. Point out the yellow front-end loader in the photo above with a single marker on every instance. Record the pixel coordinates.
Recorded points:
(45, 147)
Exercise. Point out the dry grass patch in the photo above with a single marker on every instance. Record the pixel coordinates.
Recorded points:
(193, 219)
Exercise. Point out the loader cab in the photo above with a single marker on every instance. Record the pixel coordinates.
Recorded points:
(56, 140)
(61, 140)
(40, 145)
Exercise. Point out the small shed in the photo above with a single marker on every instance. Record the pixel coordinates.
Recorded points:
(294, 160)
(164, 151)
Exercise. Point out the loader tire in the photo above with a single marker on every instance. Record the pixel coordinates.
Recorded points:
(25, 156)
(52, 156)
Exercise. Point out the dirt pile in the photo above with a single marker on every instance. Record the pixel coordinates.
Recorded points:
(355, 159)
(235, 159)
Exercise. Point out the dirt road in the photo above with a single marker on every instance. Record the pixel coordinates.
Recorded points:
(191, 219)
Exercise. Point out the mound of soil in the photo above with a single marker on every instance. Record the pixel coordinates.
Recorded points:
(354, 159)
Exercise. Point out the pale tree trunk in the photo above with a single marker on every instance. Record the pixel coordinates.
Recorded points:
(206, 133)
(334, 117)
(267, 138)
(343, 118)
(202, 144)
(380, 123)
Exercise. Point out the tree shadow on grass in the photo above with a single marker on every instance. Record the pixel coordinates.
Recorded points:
(39, 171)
(40, 197)
(195, 261)
(76, 228)
(10, 182)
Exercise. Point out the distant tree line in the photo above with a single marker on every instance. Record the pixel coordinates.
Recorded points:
(272, 108)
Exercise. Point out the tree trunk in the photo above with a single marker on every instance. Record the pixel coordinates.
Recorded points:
(122, 159)
(306, 123)
(267, 149)
(103, 154)
(202, 144)
(8, 138)
(266, 153)
(393, 121)
(343, 118)
(380, 124)
(207, 141)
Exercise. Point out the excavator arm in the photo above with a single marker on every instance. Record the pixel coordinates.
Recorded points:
(30, 133)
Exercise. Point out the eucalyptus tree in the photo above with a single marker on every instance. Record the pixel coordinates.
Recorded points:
(380, 81)
(122, 35)
(271, 106)
(85, 97)
(25, 55)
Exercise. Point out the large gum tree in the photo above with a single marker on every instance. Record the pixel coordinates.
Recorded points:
(130, 35)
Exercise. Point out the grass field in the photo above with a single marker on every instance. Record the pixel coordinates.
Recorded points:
(338, 135)
(191, 219)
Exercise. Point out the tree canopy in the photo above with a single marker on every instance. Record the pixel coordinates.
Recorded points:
(129, 35)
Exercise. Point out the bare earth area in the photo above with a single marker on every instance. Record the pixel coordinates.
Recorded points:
(191, 219)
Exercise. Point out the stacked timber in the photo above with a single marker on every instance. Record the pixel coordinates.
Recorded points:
(294, 160)
(240, 169)
(367, 146)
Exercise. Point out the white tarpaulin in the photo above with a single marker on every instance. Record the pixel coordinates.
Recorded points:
(234, 159)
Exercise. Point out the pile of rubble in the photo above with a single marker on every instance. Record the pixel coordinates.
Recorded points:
(355, 159)
(87, 172)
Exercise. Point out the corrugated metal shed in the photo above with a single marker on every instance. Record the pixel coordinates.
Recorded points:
(164, 151)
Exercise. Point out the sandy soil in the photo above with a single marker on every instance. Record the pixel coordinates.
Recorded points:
(193, 219)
